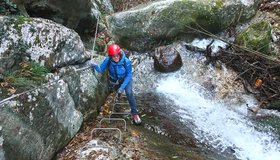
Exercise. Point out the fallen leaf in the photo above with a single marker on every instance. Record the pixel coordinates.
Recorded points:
(135, 133)
(12, 90)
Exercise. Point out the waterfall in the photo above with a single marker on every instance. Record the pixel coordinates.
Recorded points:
(218, 124)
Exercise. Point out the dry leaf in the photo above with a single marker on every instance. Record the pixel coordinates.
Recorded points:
(4, 84)
(135, 133)
(24, 65)
(258, 83)
(12, 90)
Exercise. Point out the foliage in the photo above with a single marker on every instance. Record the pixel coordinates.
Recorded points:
(16, 80)
(7, 7)
(29, 75)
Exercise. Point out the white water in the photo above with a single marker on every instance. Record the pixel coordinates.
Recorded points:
(217, 124)
(217, 115)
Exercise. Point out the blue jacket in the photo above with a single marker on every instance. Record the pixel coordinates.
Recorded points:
(120, 70)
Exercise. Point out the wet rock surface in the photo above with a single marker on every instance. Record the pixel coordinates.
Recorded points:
(167, 59)
(158, 137)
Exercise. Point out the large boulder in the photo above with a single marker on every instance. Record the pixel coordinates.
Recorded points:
(257, 37)
(40, 40)
(78, 15)
(144, 27)
(39, 123)
(36, 123)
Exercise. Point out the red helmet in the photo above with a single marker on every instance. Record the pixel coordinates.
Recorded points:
(114, 49)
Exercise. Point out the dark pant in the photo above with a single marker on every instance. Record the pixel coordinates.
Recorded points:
(131, 98)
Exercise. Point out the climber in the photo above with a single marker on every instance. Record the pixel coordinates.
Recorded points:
(120, 76)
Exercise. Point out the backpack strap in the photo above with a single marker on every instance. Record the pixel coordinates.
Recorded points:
(115, 70)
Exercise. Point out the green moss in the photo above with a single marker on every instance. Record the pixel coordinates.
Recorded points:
(256, 37)
(37, 40)
(191, 17)
(219, 3)
(21, 20)
(37, 70)
(275, 104)
(16, 80)
(29, 75)
(172, 14)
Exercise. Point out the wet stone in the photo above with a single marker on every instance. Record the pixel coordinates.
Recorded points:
(167, 59)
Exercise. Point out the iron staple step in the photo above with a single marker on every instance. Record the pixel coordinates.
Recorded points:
(113, 119)
(104, 129)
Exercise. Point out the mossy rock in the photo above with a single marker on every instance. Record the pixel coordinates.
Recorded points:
(256, 37)
(274, 105)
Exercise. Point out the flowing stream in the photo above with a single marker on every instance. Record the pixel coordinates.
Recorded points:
(218, 114)
(220, 125)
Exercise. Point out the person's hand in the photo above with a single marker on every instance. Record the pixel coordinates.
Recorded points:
(93, 64)
(120, 91)
(90, 62)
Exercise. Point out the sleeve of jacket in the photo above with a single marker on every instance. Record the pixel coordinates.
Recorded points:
(103, 65)
(128, 76)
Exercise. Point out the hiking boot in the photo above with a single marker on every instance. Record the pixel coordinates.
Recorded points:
(136, 119)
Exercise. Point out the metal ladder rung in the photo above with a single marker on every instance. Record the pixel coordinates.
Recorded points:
(113, 108)
(104, 129)
(92, 147)
(113, 119)
(122, 103)
(116, 99)
(120, 113)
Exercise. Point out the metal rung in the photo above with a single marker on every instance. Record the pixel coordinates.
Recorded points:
(121, 103)
(91, 147)
(117, 129)
(119, 113)
(114, 119)
(117, 99)
(81, 69)
(113, 108)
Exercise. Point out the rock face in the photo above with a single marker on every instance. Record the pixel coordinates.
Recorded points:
(40, 40)
(35, 128)
(36, 123)
(167, 59)
(74, 14)
(146, 26)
